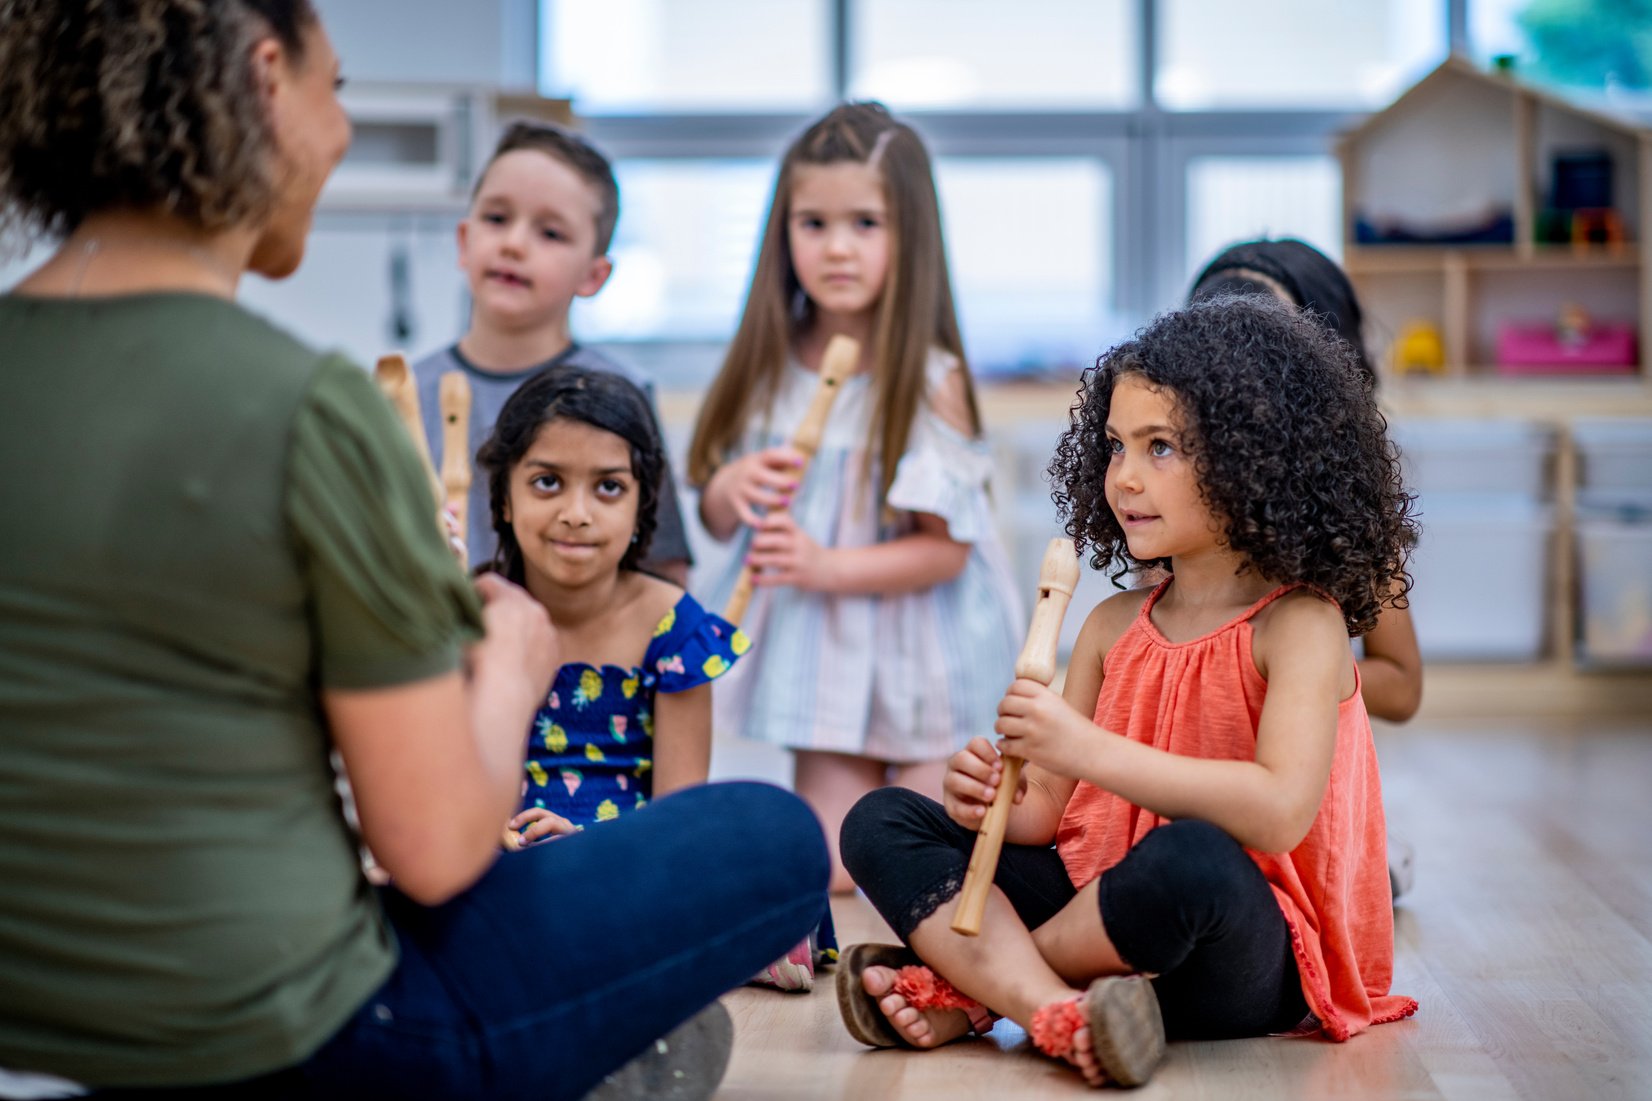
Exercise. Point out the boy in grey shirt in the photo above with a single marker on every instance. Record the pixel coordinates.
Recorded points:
(536, 237)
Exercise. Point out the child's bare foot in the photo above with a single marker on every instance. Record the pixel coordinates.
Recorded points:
(920, 1028)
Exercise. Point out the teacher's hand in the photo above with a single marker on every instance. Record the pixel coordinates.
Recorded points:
(519, 652)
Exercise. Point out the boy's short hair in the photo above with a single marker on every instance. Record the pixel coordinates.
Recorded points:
(574, 150)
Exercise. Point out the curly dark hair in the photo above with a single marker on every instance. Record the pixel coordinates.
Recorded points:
(1290, 451)
(142, 103)
(600, 399)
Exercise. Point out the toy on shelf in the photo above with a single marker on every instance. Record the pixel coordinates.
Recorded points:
(1598, 226)
(1485, 223)
(1573, 343)
(1571, 327)
(1418, 350)
(1580, 210)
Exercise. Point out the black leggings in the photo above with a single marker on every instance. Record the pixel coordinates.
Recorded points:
(1186, 904)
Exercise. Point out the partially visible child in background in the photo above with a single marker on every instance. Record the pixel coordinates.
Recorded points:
(886, 620)
(1391, 670)
(574, 471)
(1197, 848)
(536, 237)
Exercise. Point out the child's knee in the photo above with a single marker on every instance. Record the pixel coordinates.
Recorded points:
(1194, 837)
(1192, 859)
(875, 821)
(867, 824)
(777, 824)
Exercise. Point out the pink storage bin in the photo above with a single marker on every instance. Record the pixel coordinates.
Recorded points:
(1607, 349)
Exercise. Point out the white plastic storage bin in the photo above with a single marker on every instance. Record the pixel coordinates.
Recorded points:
(1479, 576)
(1614, 458)
(1615, 585)
(1475, 456)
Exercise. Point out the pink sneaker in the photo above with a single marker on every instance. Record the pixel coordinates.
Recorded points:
(794, 972)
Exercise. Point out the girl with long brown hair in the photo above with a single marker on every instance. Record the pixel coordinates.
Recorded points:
(886, 620)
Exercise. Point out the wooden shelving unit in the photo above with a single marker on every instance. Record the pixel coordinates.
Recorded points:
(1459, 140)
(1462, 140)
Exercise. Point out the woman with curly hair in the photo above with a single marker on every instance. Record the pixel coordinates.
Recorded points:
(1207, 778)
(220, 566)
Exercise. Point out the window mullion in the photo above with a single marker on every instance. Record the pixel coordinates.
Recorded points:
(838, 35)
(1147, 44)
(1457, 38)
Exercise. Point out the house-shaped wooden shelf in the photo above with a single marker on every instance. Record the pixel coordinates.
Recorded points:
(1455, 243)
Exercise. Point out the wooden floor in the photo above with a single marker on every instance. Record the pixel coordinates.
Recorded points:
(1527, 938)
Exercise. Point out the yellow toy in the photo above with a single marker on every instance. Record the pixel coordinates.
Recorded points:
(1418, 349)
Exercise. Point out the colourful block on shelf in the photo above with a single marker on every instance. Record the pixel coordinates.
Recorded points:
(1538, 349)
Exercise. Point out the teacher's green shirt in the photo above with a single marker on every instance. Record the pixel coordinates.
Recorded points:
(204, 524)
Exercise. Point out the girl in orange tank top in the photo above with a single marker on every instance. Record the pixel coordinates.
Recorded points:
(1196, 849)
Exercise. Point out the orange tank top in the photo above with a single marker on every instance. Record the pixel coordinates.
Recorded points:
(1204, 699)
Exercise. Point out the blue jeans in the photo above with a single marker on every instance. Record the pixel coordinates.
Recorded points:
(569, 958)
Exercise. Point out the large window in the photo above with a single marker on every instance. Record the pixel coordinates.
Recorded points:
(1233, 199)
(683, 250)
(1038, 54)
(1294, 53)
(686, 55)
(1031, 259)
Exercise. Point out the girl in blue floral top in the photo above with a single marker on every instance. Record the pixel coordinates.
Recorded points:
(574, 466)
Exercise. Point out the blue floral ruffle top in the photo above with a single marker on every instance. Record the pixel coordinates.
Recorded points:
(591, 747)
